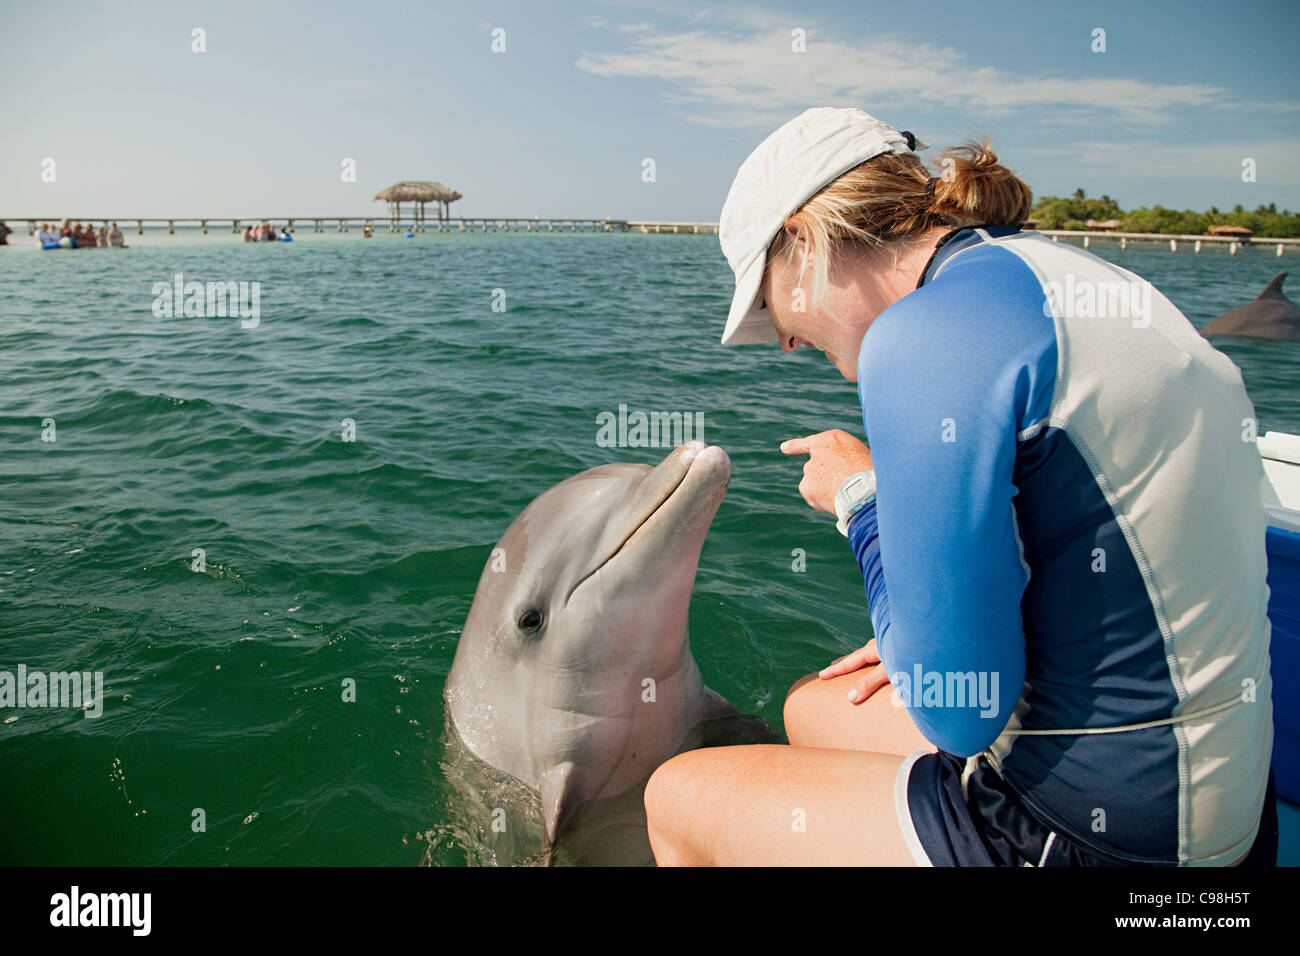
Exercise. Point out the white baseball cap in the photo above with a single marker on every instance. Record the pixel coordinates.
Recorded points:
(784, 172)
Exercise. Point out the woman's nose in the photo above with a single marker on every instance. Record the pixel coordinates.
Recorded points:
(790, 343)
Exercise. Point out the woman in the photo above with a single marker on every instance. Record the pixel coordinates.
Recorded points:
(1058, 523)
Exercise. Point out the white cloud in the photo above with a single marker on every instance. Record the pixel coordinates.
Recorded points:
(751, 77)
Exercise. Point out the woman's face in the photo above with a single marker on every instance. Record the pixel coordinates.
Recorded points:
(861, 283)
(856, 292)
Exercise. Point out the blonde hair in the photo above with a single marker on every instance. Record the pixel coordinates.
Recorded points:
(890, 202)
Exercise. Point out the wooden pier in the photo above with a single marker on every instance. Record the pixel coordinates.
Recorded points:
(347, 223)
(677, 228)
(1234, 243)
(550, 224)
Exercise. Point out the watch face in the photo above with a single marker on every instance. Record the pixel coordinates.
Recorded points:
(855, 488)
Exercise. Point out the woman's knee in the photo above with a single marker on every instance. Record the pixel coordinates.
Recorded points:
(818, 714)
(804, 710)
(672, 786)
(669, 794)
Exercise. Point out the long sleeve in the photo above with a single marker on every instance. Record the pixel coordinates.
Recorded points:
(864, 540)
(943, 400)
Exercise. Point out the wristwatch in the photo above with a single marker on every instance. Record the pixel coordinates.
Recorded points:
(856, 493)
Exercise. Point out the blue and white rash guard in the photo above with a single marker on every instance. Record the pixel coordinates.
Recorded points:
(1069, 510)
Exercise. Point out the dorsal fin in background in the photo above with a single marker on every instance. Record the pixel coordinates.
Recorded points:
(1274, 288)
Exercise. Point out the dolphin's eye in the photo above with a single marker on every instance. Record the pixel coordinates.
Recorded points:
(530, 621)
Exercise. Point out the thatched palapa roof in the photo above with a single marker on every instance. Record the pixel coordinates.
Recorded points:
(417, 191)
(1230, 231)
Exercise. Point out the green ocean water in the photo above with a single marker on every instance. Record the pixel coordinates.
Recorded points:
(328, 560)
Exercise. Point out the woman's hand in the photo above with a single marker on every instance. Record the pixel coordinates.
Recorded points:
(834, 456)
(872, 681)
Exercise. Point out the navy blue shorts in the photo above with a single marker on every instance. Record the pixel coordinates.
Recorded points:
(985, 824)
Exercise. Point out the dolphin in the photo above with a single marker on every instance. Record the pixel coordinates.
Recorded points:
(573, 674)
(1271, 316)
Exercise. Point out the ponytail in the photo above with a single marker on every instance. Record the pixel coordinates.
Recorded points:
(891, 201)
(974, 188)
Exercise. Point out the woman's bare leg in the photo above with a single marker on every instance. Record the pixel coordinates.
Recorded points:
(767, 805)
(818, 714)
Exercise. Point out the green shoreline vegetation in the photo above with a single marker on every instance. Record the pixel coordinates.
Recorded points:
(1055, 212)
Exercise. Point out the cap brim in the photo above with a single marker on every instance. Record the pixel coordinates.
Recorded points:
(747, 322)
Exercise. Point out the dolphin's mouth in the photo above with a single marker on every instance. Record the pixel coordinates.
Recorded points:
(690, 454)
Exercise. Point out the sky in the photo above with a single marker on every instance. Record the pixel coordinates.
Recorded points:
(560, 122)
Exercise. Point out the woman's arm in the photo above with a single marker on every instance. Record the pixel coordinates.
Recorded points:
(943, 397)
